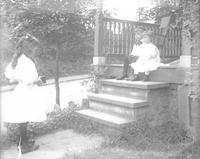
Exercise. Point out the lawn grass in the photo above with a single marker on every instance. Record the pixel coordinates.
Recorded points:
(149, 151)
(138, 145)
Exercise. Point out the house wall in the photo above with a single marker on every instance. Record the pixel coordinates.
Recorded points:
(164, 105)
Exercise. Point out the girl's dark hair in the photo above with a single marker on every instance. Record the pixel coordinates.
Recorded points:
(148, 33)
(20, 45)
(15, 59)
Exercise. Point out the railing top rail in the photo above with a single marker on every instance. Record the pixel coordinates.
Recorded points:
(129, 21)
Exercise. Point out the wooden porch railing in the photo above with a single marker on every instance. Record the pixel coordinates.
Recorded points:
(119, 37)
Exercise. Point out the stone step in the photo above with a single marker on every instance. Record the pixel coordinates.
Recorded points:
(118, 100)
(121, 106)
(135, 84)
(133, 89)
(104, 118)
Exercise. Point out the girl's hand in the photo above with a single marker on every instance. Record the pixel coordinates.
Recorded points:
(41, 80)
(38, 82)
(12, 81)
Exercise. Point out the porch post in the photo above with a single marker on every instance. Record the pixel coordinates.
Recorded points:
(2, 16)
(191, 57)
(185, 58)
(99, 58)
(184, 90)
(195, 70)
(0, 68)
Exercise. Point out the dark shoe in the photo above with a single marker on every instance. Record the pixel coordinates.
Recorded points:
(133, 78)
(29, 148)
(31, 142)
(136, 78)
(111, 77)
(145, 78)
(121, 77)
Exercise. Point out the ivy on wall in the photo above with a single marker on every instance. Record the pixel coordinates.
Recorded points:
(191, 31)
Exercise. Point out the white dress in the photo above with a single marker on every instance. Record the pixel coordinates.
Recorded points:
(148, 58)
(26, 102)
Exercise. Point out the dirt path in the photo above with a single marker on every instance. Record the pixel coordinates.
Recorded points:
(54, 146)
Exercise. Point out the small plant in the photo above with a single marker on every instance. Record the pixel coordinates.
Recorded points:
(93, 83)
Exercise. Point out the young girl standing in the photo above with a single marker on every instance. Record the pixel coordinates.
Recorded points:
(25, 104)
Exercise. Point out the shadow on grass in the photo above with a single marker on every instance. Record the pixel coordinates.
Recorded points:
(4, 142)
(137, 142)
(141, 142)
(192, 151)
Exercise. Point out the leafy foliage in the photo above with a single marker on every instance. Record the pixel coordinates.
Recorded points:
(67, 25)
(161, 9)
(50, 21)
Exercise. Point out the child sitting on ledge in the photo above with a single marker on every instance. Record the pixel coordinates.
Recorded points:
(143, 59)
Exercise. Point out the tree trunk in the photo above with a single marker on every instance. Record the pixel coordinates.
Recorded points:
(1, 25)
(58, 49)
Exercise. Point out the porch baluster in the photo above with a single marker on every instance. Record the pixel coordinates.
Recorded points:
(120, 37)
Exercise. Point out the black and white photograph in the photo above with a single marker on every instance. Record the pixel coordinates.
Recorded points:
(99, 79)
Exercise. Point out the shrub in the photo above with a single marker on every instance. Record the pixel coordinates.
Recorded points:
(141, 134)
(4, 141)
(57, 119)
(172, 133)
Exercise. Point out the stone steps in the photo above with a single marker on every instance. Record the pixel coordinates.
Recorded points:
(135, 84)
(132, 89)
(117, 100)
(116, 105)
(105, 118)
(121, 102)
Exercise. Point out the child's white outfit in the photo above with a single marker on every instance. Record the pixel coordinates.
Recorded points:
(148, 58)
(26, 103)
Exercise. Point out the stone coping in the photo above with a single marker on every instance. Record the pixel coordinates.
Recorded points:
(135, 84)
(162, 66)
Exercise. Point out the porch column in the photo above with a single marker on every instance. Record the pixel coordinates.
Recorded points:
(184, 89)
(0, 68)
(2, 15)
(99, 58)
(191, 51)
(185, 58)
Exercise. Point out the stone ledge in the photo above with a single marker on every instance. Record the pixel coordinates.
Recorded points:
(135, 84)
(163, 66)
